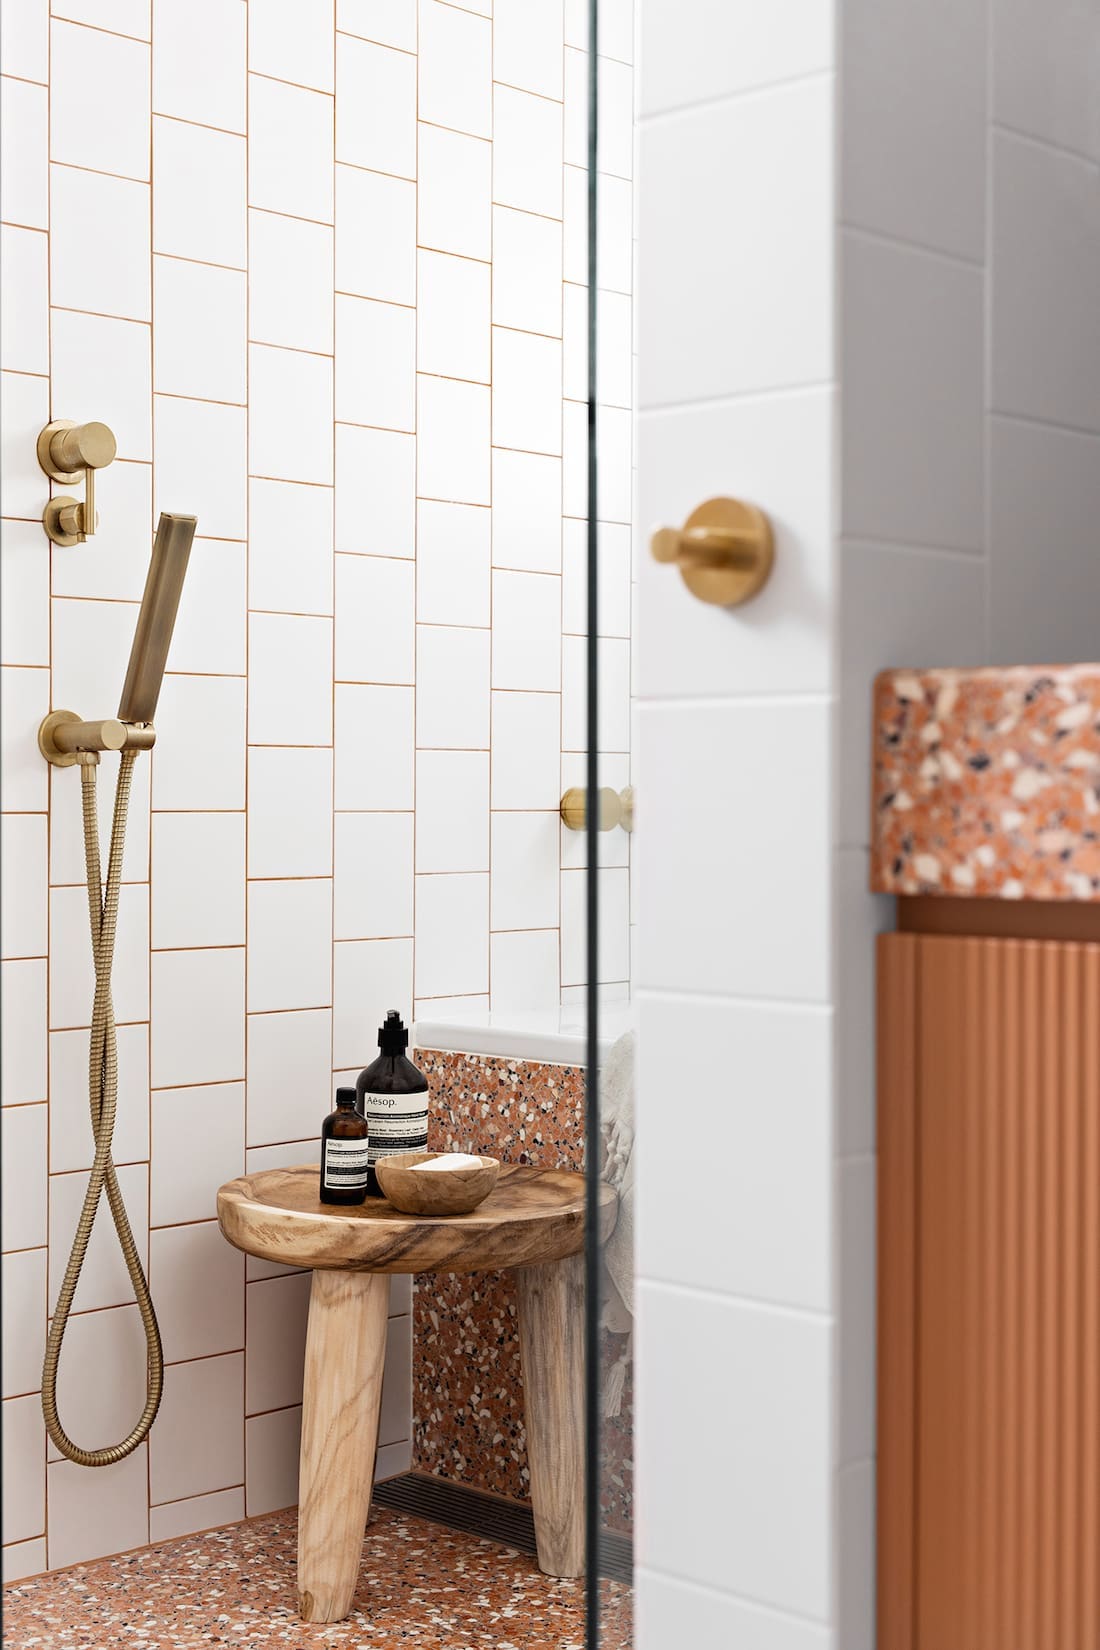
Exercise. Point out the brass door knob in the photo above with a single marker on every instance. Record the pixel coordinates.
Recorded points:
(616, 808)
(67, 452)
(725, 551)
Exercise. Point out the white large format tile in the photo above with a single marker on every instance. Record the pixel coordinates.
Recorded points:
(786, 207)
(526, 744)
(291, 42)
(374, 747)
(198, 880)
(25, 324)
(289, 1064)
(452, 931)
(373, 892)
(375, 235)
(24, 154)
(290, 679)
(526, 631)
(199, 62)
(275, 1333)
(390, 22)
(23, 1216)
(667, 1611)
(777, 856)
(525, 870)
(198, 1144)
(524, 968)
(526, 391)
(897, 607)
(289, 944)
(911, 462)
(613, 667)
(452, 320)
(1030, 465)
(24, 408)
(23, 1035)
(775, 452)
(197, 1281)
(452, 688)
(527, 152)
(455, 69)
(202, 464)
(375, 107)
(196, 1513)
(614, 962)
(24, 1284)
(104, 1280)
(187, 774)
(72, 977)
(199, 343)
(24, 1459)
(290, 149)
(1045, 341)
(99, 1412)
(375, 492)
(767, 1375)
(99, 243)
(375, 619)
(99, 104)
(914, 165)
(72, 1145)
(527, 45)
(102, 368)
(200, 193)
(527, 267)
(199, 1445)
(375, 364)
(290, 282)
(1044, 72)
(740, 48)
(452, 563)
(25, 40)
(272, 1444)
(96, 1513)
(290, 527)
(452, 454)
(211, 634)
(24, 698)
(756, 1228)
(454, 192)
(91, 646)
(368, 972)
(289, 812)
(452, 811)
(290, 415)
(24, 596)
(191, 988)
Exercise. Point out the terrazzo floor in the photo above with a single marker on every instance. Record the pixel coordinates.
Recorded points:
(421, 1588)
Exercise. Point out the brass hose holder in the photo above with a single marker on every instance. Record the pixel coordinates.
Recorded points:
(725, 551)
(68, 452)
(616, 808)
(64, 739)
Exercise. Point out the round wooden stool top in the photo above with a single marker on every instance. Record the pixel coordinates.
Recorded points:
(531, 1217)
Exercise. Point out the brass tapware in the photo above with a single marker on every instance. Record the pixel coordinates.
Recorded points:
(63, 738)
(725, 551)
(157, 618)
(67, 452)
(616, 808)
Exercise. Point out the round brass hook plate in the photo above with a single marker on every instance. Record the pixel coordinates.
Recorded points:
(725, 551)
(60, 759)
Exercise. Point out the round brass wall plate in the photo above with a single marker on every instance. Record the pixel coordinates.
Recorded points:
(60, 759)
(52, 520)
(45, 459)
(726, 571)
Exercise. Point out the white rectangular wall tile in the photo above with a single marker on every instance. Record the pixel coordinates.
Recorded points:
(373, 887)
(455, 69)
(23, 1216)
(289, 812)
(24, 1284)
(290, 546)
(192, 988)
(95, 1513)
(197, 1279)
(291, 43)
(99, 243)
(24, 408)
(104, 1280)
(454, 192)
(199, 349)
(200, 193)
(290, 944)
(290, 149)
(374, 747)
(288, 707)
(72, 1145)
(289, 1062)
(452, 688)
(99, 109)
(375, 107)
(368, 971)
(199, 62)
(453, 552)
(452, 925)
(452, 811)
(290, 434)
(375, 235)
(290, 282)
(24, 1467)
(197, 1144)
(452, 449)
(201, 464)
(199, 1445)
(23, 1039)
(198, 880)
(375, 620)
(196, 1513)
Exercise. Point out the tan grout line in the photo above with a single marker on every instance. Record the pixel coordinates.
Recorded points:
(99, 28)
(203, 125)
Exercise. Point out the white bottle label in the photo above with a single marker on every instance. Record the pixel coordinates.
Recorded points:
(346, 1165)
(397, 1123)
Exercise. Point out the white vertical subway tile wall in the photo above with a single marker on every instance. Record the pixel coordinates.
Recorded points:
(311, 264)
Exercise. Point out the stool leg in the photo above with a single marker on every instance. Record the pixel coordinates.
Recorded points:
(342, 1391)
(551, 1340)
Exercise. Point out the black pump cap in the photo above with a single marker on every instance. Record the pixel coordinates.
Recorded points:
(392, 1037)
(345, 1097)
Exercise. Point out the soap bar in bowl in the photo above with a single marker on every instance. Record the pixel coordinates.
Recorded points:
(437, 1183)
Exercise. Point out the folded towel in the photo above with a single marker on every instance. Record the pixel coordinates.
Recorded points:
(617, 1140)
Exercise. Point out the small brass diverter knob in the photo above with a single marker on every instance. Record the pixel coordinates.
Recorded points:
(68, 452)
(725, 551)
(616, 808)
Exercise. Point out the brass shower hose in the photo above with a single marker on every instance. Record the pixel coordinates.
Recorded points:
(103, 1095)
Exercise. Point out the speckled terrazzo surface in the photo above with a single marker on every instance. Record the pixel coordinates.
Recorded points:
(421, 1588)
(987, 783)
(467, 1381)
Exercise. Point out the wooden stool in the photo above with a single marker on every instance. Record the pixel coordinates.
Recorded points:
(533, 1222)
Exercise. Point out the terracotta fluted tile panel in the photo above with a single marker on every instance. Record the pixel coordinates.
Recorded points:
(986, 783)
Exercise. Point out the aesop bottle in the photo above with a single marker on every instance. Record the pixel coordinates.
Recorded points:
(344, 1152)
(393, 1097)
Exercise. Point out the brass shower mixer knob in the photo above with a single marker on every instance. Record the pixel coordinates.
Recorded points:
(68, 452)
(725, 551)
(616, 808)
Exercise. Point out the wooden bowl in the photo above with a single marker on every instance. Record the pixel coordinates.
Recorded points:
(442, 1192)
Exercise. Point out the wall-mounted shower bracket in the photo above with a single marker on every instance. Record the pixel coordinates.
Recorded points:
(64, 738)
(68, 452)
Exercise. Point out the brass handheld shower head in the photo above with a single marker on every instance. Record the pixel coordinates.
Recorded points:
(157, 618)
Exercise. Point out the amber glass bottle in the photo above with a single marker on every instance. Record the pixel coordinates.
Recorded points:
(393, 1097)
(344, 1152)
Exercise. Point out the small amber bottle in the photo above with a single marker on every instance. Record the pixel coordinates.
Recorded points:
(344, 1152)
